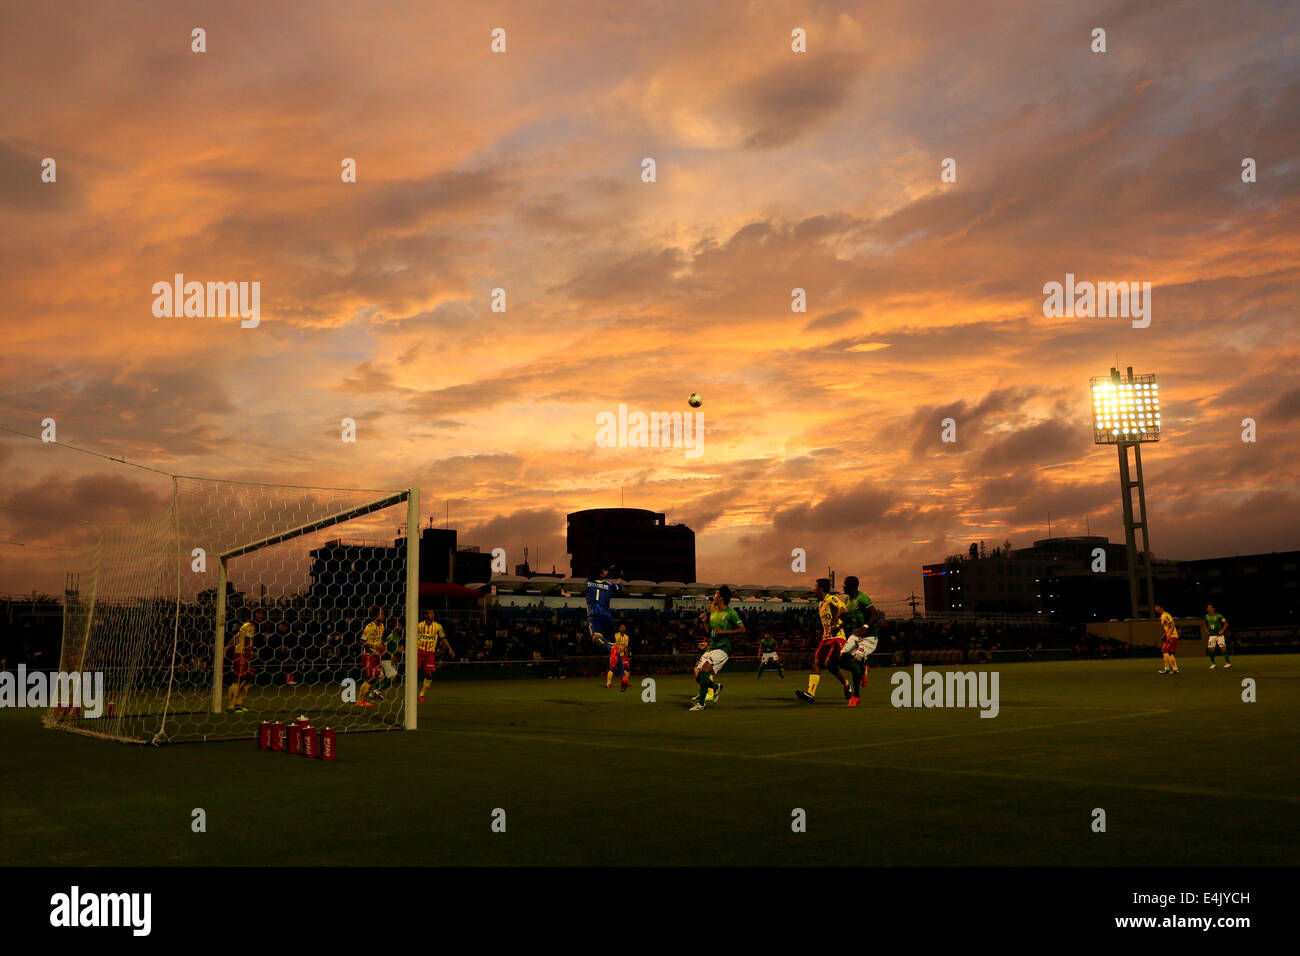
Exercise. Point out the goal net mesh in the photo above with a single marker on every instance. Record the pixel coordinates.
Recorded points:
(305, 571)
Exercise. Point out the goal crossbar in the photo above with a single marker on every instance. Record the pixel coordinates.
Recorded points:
(318, 525)
(412, 498)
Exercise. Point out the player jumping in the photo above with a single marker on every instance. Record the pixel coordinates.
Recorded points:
(860, 618)
(829, 609)
(723, 622)
(620, 663)
(432, 637)
(600, 590)
(1170, 646)
(1218, 628)
(372, 646)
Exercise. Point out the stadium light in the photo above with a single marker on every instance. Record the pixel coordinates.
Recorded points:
(1125, 410)
(1126, 414)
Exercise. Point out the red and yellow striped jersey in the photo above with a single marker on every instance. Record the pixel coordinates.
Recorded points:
(244, 639)
(826, 611)
(431, 634)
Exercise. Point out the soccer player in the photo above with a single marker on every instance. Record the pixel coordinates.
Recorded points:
(619, 661)
(1170, 646)
(394, 646)
(432, 637)
(829, 609)
(769, 658)
(1218, 628)
(860, 618)
(723, 622)
(600, 590)
(241, 653)
(372, 646)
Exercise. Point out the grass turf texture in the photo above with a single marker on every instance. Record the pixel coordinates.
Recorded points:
(1187, 773)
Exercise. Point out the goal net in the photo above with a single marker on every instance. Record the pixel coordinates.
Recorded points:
(242, 603)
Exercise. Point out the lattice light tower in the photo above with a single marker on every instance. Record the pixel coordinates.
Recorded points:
(1126, 414)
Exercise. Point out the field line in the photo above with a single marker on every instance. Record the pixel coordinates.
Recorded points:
(1068, 781)
(799, 757)
(975, 733)
(622, 743)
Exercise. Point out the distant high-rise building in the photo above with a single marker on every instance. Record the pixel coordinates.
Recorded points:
(1014, 581)
(1063, 579)
(361, 573)
(638, 541)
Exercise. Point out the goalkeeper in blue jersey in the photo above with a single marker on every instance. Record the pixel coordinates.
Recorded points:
(601, 589)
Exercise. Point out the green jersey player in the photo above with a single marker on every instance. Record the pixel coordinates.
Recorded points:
(394, 646)
(768, 657)
(1218, 628)
(860, 619)
(723, 622)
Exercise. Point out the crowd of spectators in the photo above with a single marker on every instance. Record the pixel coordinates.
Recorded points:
(296, 640)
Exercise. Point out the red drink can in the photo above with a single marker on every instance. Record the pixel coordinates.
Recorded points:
(264, 736)
(277, 736)
(310, 742)
(295, 739)
(328, 744)
(303, 722)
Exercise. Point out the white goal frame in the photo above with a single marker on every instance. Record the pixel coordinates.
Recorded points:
(410, 681)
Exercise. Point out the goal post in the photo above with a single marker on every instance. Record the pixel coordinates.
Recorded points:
(247, 602)
(411, 677)
(219, 640)
(411, 496)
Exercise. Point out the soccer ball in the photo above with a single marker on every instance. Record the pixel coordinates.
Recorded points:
(695, 401)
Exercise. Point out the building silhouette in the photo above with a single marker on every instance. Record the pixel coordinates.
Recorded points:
(638, 541)
(1062, 579)
(358, 574)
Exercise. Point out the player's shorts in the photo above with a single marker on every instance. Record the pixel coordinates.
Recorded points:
(828, 653)
(600, 627)
(1217, 642)
(860, 648)
(428, 662)
(370, 669)
(718, 657)
(768, 658)
(390, 670)
(1170, 647)
(243, 668)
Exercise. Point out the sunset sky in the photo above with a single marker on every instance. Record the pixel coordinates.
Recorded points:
(775, 170)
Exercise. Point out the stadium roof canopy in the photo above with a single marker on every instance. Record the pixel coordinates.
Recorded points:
(441, 589)
(517, 584)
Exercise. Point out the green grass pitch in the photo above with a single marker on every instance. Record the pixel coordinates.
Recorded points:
(1187, 773)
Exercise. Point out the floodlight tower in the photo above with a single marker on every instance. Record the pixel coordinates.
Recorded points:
(1126, 414)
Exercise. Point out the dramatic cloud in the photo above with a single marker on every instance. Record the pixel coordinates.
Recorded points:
(514, 180)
